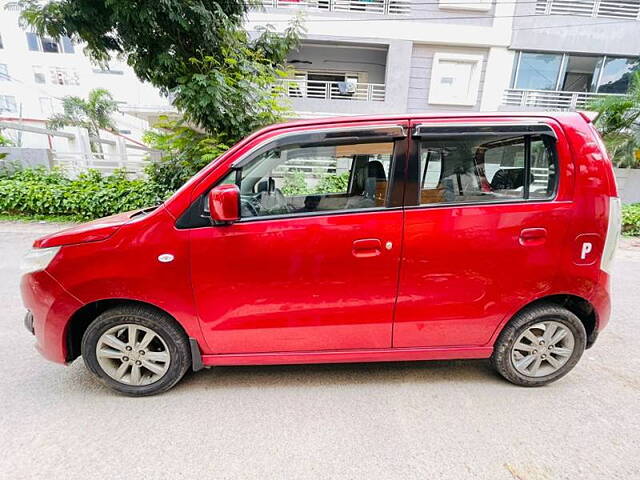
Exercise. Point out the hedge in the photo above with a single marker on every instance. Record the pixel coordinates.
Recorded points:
(90, 195)
(631, 219)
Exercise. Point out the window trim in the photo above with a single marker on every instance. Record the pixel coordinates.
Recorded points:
(395, 132)
(413, 178)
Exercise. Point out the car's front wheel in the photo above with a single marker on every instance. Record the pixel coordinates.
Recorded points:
(539, 345)
(136, 350)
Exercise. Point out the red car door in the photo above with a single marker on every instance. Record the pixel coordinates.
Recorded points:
(313, 264)
(485, 223)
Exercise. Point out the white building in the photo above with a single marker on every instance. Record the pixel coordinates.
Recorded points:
(396, 55)
(374, 56)
(36, 72)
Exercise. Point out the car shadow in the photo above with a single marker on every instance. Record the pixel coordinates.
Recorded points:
(315, 375)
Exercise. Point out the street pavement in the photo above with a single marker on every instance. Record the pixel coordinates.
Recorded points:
(420, 420)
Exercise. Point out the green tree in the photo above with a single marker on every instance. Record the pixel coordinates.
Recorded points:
(619, 124)
(94, 113)
(194, 50)
(185, 151)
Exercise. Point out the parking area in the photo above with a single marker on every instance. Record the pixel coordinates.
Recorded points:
(422, 420)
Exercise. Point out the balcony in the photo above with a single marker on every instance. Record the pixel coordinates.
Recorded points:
(337, 78)
(549, 99)
(355, 91)
(379, 7)
(629, 9)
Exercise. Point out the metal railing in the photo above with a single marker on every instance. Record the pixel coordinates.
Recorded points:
(549, 99)
(297, 88)
(133, 163)
(380, 7)
(74, 163)
(591, 8)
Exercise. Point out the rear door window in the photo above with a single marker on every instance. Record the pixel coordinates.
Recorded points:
(486, 165)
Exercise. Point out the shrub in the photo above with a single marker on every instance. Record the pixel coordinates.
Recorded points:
(91, 195)
(295, 184)
(631, 219)
(185, 153)
(333, 183)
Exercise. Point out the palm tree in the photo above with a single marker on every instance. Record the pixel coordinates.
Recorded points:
(619, 124)
(94, 114)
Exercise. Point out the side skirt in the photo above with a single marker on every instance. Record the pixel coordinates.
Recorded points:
(348, 356)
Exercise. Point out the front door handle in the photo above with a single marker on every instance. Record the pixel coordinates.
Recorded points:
(367, 247)
(533, 236)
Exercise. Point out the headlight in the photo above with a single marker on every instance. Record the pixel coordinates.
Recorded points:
(38, 259)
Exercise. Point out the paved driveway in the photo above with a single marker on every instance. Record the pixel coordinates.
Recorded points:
(422, 420)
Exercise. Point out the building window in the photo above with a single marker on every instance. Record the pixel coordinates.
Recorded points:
(476, 5)
(616, 74)
(46, 105)
(38, 74)
(573, 73)
(49, 45)
(455, 79)
(4, 73)
(538, 71)
(63, 76)
(50, 105)
(8, 104)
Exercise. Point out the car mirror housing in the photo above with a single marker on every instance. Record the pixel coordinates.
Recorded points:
(224, 204)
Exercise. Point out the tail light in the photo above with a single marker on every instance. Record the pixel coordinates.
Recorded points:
(614, 230)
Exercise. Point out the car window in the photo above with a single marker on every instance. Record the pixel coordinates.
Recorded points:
(301, 179)
(477, 168)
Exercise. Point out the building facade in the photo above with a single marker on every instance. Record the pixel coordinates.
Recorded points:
(568, 52)
(389, 56)
(369, 57)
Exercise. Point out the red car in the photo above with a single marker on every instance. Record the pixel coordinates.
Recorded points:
(347, 240)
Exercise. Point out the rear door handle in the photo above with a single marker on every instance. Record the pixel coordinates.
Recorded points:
(367, 247)
(533, 236)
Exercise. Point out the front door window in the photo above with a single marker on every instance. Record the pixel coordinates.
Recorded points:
(307, 178)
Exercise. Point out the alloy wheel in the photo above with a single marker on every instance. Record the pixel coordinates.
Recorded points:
(133, 354)
(542, 349)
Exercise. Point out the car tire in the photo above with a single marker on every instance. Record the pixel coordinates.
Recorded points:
(135, 350)
(527, 339)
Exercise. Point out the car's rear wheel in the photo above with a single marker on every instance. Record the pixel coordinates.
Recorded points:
(540, 345)
(136, 350)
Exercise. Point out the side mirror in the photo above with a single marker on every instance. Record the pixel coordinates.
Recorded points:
(224, 204)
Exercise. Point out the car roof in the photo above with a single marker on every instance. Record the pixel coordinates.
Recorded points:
(559, 116)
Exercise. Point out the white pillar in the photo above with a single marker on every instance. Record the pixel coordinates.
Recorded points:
(497, 78)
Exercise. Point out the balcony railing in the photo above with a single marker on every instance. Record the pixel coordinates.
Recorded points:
(591, 8)
(380, 7)
(370, 92)
(549, 99)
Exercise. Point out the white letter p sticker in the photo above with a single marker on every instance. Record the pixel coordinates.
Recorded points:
(586, 250)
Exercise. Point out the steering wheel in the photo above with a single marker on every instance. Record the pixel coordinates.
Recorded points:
(249, 207)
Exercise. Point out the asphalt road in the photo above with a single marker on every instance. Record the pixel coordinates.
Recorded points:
(423, 420)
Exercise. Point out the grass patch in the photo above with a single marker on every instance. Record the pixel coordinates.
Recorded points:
(7, 217)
